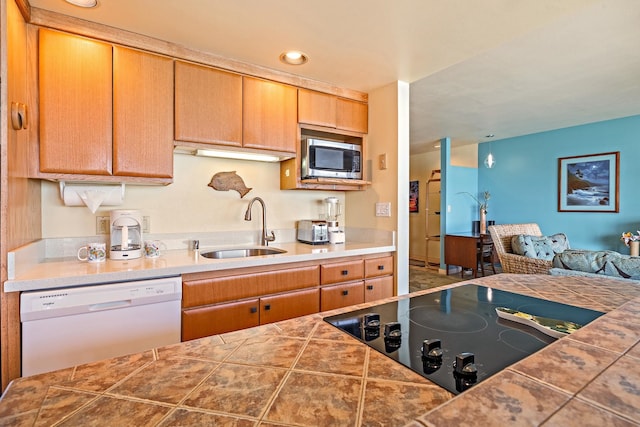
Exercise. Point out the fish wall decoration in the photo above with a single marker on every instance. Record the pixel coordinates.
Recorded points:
(225, 181)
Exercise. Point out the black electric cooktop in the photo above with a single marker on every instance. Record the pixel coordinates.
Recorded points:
(454, 337)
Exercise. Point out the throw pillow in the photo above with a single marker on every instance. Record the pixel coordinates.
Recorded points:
(541, 247)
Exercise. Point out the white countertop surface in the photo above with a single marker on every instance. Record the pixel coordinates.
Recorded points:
(66, 271)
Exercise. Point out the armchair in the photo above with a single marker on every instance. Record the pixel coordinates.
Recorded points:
(511, 262)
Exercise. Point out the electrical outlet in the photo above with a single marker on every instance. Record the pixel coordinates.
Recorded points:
(102, 225)
(383, 209)
(146, 224)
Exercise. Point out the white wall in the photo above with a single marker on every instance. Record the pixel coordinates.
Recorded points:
(189, 205)
(388, 134)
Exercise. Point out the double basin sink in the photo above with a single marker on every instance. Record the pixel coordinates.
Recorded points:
(241, 252)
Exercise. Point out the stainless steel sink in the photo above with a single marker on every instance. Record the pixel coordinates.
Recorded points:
(241, 252)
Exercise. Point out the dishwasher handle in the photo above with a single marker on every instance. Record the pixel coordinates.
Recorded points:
(109, 305)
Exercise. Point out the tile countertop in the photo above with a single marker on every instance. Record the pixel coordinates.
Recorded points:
(34, 270)
(304, 372)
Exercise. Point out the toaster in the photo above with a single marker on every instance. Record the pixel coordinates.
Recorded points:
(312, 231)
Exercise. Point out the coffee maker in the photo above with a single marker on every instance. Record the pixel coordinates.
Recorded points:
(126, 234)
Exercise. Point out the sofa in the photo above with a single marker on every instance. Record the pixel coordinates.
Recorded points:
(604, 263)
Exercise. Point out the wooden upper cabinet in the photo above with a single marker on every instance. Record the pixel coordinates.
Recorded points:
(352, 115)
(143, 114)
(208, 105)
(321, 109)
(270, 115)
(75, 78)
(316, 108)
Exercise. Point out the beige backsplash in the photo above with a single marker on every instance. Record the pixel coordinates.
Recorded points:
(189, 205)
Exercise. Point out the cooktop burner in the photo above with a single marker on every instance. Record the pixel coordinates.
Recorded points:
(454, 337)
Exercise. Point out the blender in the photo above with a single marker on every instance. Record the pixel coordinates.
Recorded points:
(334, 210)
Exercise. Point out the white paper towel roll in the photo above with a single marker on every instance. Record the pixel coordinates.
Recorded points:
(91, 195)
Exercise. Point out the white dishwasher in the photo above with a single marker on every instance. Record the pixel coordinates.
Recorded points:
(72, 326)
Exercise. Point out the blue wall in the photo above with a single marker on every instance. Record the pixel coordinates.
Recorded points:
(524, 181)
(463, 209)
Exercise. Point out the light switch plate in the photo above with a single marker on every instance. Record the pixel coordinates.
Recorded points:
(382, 161)
(383, 209)
(146, 224)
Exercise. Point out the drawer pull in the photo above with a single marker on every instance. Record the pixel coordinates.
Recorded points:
(253, 309)
(370, 287)
(381, 267)
(344, 272)
(267, 307)
(345, 292)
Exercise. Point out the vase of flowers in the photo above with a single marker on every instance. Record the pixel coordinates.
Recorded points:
(483, 205)
(632, 241)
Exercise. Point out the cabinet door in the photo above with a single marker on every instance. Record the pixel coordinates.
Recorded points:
(143, 114)
(375, 267)
(270, 113)
(217, 319)
(379, 288)
(338, 296)
(352, 115)
(208, 105)
(287, 306)
(341, 272)
(75, 82)
(316, 108)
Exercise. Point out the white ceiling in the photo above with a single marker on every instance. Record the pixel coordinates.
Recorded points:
(507, 67)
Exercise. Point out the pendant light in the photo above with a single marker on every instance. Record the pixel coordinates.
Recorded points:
(490, 160)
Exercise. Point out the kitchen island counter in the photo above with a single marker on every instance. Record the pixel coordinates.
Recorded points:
(305, 372)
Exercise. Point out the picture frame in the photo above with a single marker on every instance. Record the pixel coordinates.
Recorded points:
(413, 196)
(589, 183)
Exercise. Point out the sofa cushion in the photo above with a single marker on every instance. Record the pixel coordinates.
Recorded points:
(607, 263)
(541, 247)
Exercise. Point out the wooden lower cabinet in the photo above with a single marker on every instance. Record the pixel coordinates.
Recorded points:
(220, 301)
(338, 296)
(217, 319)
(379, 288)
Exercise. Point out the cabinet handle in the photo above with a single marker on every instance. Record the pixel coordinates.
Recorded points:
(345, 292)
(18, 116)
(253, 309)
(344, 272)
(370, 287)
(267, 307)
(381, 267)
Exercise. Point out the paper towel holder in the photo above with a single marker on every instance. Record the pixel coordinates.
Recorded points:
(91, 195)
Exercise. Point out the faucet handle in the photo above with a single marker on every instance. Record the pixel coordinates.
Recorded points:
(269, 238)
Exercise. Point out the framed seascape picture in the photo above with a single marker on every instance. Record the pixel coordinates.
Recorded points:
(589, 183)
(413, 196)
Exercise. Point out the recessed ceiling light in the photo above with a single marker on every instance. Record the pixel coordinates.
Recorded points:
(293, 57)
(83, 3)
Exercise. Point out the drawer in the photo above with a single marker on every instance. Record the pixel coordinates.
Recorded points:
(378, 288)
(382, 266)
(341, 272)
(217, 319)
(229, 288)
(338, 296)
(287, 306)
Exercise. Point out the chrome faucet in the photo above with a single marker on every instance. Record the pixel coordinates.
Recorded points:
(264, 238)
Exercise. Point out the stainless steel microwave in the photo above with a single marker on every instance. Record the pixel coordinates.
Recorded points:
(330, 159)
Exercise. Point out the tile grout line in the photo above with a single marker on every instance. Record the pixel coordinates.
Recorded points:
(363, 387)
(286, 376)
